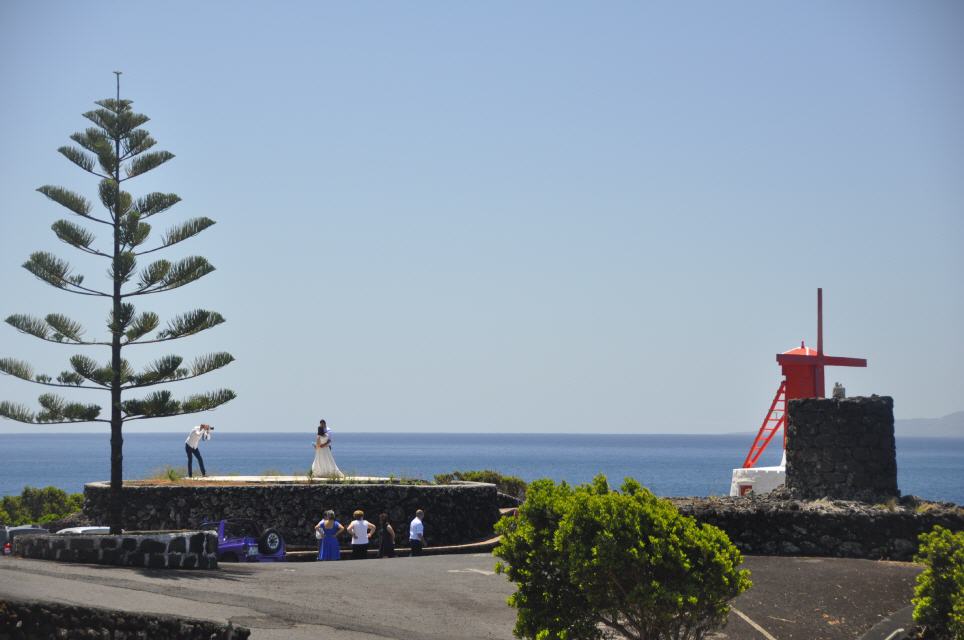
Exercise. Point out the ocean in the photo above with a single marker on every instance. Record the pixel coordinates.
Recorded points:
(670, 465)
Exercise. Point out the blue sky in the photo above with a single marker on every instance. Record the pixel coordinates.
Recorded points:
(519, 217)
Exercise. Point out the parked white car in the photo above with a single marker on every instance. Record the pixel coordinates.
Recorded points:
(71, 531)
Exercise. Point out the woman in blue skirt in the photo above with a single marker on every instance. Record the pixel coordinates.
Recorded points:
(327, 531)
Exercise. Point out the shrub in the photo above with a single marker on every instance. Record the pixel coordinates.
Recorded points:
(39, 506)
(169, 473)
(589, 562)
(511, 485)
(939, 593)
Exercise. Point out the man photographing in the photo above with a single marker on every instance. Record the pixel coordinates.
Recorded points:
(198, 433)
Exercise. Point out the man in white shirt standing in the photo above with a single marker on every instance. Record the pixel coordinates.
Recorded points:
(198, 433)
(416, 533)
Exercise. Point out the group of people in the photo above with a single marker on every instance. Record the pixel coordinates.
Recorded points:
(328, 529)
(362, 531)
(323, 465)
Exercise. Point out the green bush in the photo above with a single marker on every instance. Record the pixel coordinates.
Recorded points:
(511, 485)
(167, 473)
(589, 562)
(939, 594)
(39, 506)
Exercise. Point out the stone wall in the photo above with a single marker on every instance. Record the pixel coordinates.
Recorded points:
(177, 550)
(454, 514)
(776, 524)
(31, 620)
(842, 448)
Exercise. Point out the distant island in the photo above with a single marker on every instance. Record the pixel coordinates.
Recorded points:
(950, 426)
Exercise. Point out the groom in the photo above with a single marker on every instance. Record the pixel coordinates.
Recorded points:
(198, 433)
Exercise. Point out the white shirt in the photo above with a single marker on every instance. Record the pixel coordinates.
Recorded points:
(196, 435)
(359, 531)
(415, 530)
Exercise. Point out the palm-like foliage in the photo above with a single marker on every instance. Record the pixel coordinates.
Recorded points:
(116, 150)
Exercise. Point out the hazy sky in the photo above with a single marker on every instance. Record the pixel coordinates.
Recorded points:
(521, 217)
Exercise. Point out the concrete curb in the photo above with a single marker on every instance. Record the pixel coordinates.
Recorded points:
(483, 546)
(897, 626)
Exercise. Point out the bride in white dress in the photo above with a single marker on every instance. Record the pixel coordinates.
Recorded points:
(324, 465)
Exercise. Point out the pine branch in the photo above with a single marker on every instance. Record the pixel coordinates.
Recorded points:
(92, 139)
(20, 413)
(80, 159)
(115, 106)
(17, 369)
(146, 162)
(123, 266)
(182, 232)
(168, 370)
(65, 198)
(22, 370)
(56, 272)
(42, 329)
(153, 274)
(28, 324)
(71, 378)
(155, 203)
(58, 409)
(210, 362)
(141, 326)
(190, 323)
(160, 404)
(116, 124)
(65, 327)
(162, 369)
(133, 232)
(136, 143)
(185, 325)
(184, 272)
(119, 324)
(113, 199)
(86, 367)
(76, 236)
(16, 412)
(107, 159)
(48, 268)
(128, 121)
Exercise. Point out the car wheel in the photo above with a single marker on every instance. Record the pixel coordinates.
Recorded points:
(270, 542)
(229, 557)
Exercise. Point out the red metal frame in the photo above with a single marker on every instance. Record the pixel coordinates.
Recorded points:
(803, 378)
(771, 424)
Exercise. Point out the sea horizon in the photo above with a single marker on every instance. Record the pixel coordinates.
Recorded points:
(669, 464)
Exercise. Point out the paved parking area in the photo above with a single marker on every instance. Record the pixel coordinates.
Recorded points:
(450, 597)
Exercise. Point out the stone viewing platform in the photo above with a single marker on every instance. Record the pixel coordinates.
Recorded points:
(456, 513)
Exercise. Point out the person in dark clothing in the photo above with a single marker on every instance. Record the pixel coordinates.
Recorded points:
(386, 543)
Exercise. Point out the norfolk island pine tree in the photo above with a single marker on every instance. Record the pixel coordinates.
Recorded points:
(116, 150)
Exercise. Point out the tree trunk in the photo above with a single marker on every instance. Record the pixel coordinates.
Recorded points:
(116, 508)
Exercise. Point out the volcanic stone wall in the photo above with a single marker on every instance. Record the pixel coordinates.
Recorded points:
(178, 550)
(32, 620)
(842, 448)
(454, 514)
(774, 524)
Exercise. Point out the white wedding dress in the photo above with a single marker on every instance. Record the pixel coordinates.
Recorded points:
(324, 465)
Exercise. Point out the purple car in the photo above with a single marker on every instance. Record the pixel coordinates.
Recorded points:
(241, 540)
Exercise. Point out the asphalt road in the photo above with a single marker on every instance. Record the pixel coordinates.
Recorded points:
(450, 597)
